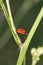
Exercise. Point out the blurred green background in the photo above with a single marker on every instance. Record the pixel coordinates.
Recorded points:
(24, 13)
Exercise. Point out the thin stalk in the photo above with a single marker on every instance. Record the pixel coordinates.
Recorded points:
(30, 36)
(9, 19)
(13, 30)
(24, 62)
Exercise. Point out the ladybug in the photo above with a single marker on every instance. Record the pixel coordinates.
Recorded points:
(21, 31)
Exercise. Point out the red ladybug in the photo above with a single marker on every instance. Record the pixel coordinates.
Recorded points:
(21, 31)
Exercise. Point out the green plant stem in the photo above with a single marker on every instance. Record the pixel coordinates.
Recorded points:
(10, 22)
(13, 30)
(24, 62)
(28, 40)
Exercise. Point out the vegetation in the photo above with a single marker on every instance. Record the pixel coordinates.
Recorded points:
(24, 46)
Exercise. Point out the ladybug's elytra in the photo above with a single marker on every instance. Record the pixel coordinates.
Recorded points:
(21, 31)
